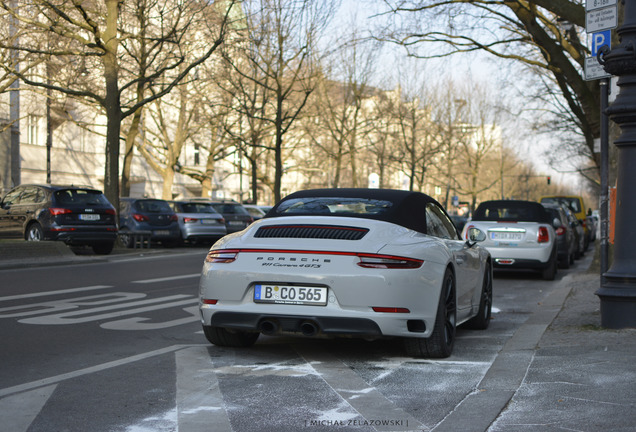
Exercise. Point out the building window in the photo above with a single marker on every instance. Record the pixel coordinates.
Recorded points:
(32, 129)
(197, 159)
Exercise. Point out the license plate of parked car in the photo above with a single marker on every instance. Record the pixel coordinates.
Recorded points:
(161, 233)
(236, 223)
(89, 217)
(286, 294)
(506, 236)
(208, 221)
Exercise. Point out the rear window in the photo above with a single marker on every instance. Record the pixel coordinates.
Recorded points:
(196, 208)
(573, 203)
(230, 209)
(334, 206)
(153, 206)
(511, 211)
(80, 197)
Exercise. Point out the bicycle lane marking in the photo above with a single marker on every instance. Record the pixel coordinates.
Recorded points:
(89, 370)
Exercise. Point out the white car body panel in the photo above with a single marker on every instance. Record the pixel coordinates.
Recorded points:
(352, 290)
(517, 240)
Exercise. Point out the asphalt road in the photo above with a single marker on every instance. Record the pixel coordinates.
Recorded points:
(117, 346)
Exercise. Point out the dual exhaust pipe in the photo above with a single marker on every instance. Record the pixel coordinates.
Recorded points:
(270, 327)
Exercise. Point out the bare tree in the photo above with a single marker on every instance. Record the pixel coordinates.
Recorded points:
(103, 38)
(339, 122)
(279, 57)
(478, 151)
(525, 32)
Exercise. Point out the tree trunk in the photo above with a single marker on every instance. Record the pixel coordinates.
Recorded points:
(131, 137)
(112, 104)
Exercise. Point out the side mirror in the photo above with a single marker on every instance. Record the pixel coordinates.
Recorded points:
(556, 223)
(476, 235)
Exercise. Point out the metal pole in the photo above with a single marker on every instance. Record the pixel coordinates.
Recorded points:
(604, 204)
(618, 287)
(14, 107)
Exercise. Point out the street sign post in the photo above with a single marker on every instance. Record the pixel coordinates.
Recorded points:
(600, 39)
(594, 70)
(601, 19)
(598, 4)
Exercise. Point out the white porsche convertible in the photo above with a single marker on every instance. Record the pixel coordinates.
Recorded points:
(365, 263)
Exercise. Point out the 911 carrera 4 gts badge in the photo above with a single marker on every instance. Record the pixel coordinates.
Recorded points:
(292, 262)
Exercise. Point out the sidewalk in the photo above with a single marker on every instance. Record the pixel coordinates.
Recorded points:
(581, 377)
(21, 254)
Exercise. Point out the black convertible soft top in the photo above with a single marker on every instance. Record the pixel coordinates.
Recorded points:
(405, 208)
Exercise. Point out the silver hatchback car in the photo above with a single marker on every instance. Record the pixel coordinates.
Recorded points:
(520, 235)
(199, 221)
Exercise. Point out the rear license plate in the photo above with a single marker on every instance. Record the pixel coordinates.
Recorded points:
(161, 233)
(208, 221)
(506, 236)
(237, 223)
(295, 295)
(89, 217)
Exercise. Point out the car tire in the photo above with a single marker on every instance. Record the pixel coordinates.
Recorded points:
(565, 263)
(441, 342)
(103, 248)
(229, 338)
(34, 232)
(126, 239)
(482, 319)
(549, 273)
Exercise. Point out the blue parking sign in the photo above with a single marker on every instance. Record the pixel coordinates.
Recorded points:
(600, 39)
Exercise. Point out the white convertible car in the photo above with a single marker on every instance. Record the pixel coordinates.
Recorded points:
(366, 263)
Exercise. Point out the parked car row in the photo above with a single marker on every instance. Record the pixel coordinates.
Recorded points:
(530, 235)
(82, 216)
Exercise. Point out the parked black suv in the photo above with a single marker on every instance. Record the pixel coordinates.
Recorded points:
(78, 216)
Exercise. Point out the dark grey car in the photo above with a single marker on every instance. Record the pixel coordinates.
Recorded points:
(566, 240)
(78, 216)
(151, 217)
(236, 217)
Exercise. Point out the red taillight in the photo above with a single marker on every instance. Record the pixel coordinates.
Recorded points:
(140, 218)
(59, 211)
(544, 235)
(174, 218)
(189, 220)
(111, 212)
(388, 262)
(222, 256)
(209, 301)
(391, 309)
(560, 231)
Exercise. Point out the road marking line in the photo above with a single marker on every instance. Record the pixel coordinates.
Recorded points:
(365, 399)
(166, 279)
(200, 405)
(76, 317)
(89, 370)
(48, 293)
(17, 412)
